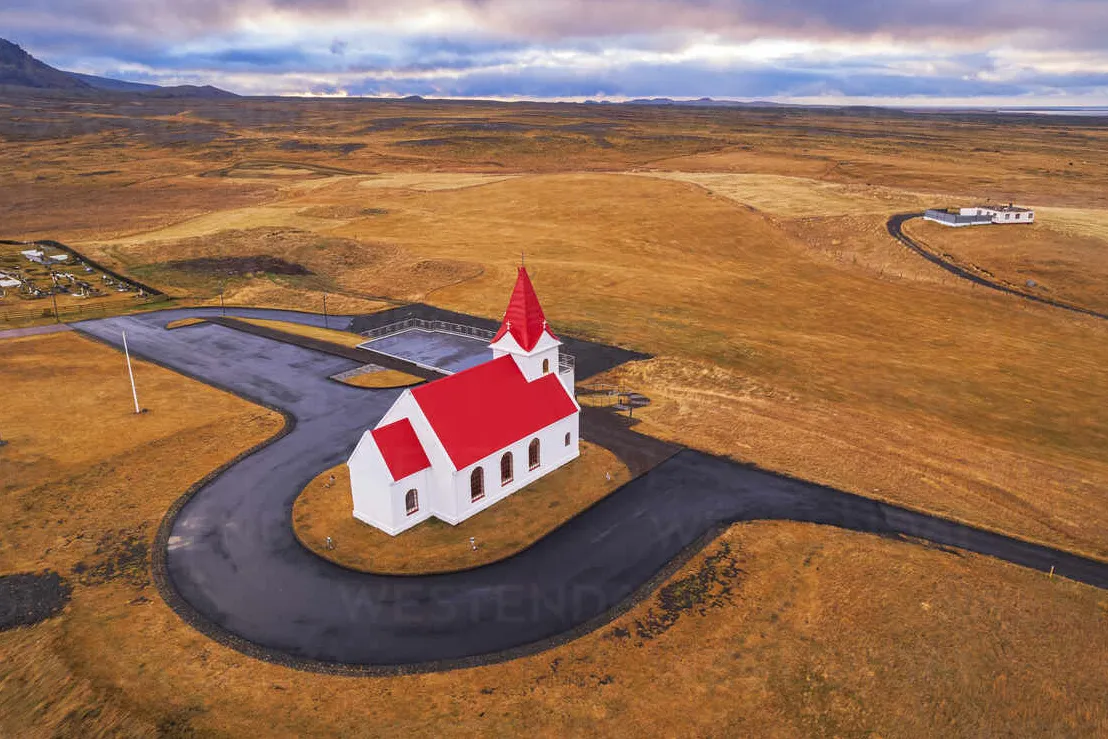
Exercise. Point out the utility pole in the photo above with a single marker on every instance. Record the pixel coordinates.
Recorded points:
(54, 296)
(130, 373)
(324, 310)
(222, 308)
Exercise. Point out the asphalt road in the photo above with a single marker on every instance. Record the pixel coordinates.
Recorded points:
(895, 227)
(238, 574)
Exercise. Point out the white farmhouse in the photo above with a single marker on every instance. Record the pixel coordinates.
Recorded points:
(1002, 214)
(981, 215)
(456, 446)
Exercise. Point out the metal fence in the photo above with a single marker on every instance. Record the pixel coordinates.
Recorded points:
(73, 312)
(566, 362)
(957, 219)
(444, 326)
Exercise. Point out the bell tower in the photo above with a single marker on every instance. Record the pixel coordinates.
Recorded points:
(525, 334)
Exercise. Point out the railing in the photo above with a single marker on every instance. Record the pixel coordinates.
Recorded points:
(957, 219)
(566, 362)
(75, 311)
(444, 326)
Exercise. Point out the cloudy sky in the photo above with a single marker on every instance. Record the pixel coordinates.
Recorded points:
(992, 52)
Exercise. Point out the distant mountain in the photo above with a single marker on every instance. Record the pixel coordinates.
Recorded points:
(20, 69)
(189, 91)
(106, 83)
(710, 103)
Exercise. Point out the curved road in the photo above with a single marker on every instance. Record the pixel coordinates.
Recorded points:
(895, 227)
(234, 570)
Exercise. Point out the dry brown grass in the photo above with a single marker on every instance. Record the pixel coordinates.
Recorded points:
(69, 417)
(773, 631)
(383, 380)
(666, 268)
(85, 482)
(501, 530)
(185, 323)
(429, 181)
(359, 269)
(334, 336)
(807, 343)
(801, 197)
(909, 459)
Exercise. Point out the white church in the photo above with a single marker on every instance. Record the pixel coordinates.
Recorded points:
(457, 445)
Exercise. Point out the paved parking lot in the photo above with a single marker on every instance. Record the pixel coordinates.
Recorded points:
(435, 349)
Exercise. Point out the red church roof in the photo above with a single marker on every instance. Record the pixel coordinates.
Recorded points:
(401, 449)
(483, 409)
(524, 319)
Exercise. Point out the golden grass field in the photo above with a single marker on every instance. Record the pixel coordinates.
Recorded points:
(746, 251)
(334, 336)
(324, 510)
(383, 380)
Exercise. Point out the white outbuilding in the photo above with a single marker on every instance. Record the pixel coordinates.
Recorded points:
(455, 446)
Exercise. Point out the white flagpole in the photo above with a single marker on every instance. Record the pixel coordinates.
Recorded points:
(130, 373)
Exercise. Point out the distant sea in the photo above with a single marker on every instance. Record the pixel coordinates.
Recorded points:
(1100, 112)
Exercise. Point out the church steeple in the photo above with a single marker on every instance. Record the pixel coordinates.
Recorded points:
(524, 320)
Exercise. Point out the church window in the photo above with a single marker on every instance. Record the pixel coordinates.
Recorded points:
(477, 484)
(533, 454)
(411, 501)
(506, 468)
(546, 366)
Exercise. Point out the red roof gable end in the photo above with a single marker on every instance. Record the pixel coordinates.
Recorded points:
(481, 410)
(400, 447)
(524, 319)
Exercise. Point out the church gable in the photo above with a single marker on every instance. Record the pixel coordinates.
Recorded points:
(401, 449)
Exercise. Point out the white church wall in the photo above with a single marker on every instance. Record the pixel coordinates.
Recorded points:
(380, 501)
(553, 453)
(397, 496)
(541, 360)
(369, 484)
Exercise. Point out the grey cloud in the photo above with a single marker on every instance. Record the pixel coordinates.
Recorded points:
(950, 40)
(1085, 20)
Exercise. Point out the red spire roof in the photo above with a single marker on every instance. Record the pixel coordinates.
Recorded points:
(524, 319)
(485, 408)
(401, 449)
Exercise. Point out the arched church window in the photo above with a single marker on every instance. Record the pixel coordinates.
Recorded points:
(506, 468)
(411, 501)
(546, 366)
(567, 438)
(477, 484)
(533, 454)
